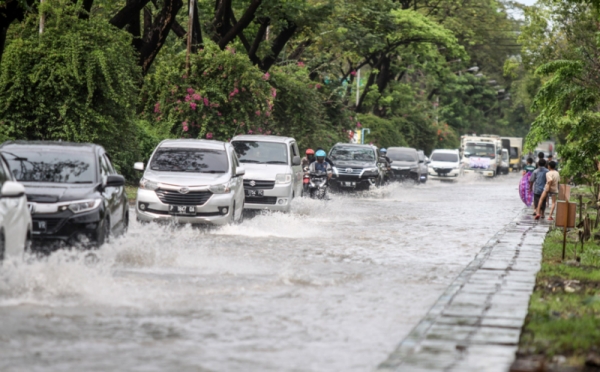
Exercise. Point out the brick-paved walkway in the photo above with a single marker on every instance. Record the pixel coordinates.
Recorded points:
(475, 325)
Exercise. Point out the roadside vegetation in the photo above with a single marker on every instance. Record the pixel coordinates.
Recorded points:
(114, 72)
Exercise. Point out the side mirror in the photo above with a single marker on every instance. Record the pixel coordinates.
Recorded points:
(12, 189)
(421, 161)
(296, 160)
(240, 171)
(115, 180)
(428, 162)
(138, 166)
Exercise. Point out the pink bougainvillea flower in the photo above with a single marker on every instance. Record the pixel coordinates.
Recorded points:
(178, 101)
(242, 124)
(188, 98)
(259, 130)
(185, 128)
(243, 89)
(196, 97)
(157, 107)
(205, 73)
(218, 113)
(234, 121)
(268, 132)
(273, 92)
(158, 118)
(220, 67)
(250, 131)
(318, 86)
(257, 112)
(358, 125)
(266, 76)
(193, 106)
(300, 64)
(184, 76)
(205, 101)
(267, 114)
(190, 91)
(353, 73)
(209, 135)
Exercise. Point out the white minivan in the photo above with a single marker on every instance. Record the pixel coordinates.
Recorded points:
(273, 172)
(444, 164)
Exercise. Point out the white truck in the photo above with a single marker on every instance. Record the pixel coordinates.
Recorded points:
(481, 154)
(515, 151)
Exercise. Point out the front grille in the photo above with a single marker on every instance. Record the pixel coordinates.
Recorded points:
(176, 198)
(356, 171)
(259, 185)
(52, 224)
(442, 170)
(349, 178)
(263, 200)
(403, 173)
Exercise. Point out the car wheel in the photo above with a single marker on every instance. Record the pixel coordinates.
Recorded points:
(232, 215)
(126, 222)
(105, 233)
(28, 242)
(241, 219)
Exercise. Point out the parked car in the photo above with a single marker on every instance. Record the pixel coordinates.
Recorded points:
(355, 167)
(74, 194)
(273, 172)
(423, 163)
(444, 164)
(191, 181)
(505, 162)
(15, 219)
(406, 164)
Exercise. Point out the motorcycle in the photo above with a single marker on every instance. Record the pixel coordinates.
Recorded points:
(305, 182)
(318, 184)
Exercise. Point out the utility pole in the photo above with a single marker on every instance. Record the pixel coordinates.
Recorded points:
(42, 17)
(192, 5)
(357, 87)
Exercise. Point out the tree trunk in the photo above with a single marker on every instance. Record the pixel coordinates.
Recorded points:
(244, 22)
(260, 36)
(278, 45)
(155, 39)
(131, 9)
(383, 77)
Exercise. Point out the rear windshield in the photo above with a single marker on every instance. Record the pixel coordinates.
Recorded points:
(349, 153)
(440, 156)
(37, 165)
(261, 152)
(169, 159)
(396, 155)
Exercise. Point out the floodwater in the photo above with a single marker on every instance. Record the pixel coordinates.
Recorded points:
(332, 286)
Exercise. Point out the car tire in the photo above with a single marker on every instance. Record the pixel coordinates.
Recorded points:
(105, 233)
(28, 242)
(232, 215)
(241, 219)
(2, 246)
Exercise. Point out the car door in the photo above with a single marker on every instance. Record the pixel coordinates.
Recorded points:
(296, 169)
(12, 217)
(111, 194)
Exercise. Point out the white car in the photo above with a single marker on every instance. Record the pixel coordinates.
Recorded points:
(444, 164)
(15, 219)
(191, 181)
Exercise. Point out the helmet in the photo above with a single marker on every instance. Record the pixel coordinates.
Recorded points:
(310, 152)
(320, 154)
(383, 150)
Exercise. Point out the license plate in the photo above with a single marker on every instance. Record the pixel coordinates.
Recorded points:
(255, 193)
(182, 210)
(348, 184)
(39, 225)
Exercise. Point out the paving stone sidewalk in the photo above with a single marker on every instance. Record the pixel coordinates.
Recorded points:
(475, 325)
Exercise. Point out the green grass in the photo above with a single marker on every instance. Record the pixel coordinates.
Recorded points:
(564, 316)
(131, 192)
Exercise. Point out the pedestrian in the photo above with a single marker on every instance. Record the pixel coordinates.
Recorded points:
(538, 189)
(524, 187)
(529, 168)
(551, 188)
(540, 157)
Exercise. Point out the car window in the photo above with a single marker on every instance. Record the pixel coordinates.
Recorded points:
(111, 168)
(44, 165)
(174, 159)
(350, 153)
(4, 175)
(104, 168)
(233, 163)
(400, 155)
(259, 152)
(444, 157)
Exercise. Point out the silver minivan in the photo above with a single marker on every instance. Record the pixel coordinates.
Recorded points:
(273, 172)
(191, 181)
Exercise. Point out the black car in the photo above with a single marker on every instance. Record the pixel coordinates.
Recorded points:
(355, 167)
(407, 165)
(74, 194)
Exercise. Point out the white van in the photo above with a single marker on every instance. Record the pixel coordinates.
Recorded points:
(273, 172)
(444, 164)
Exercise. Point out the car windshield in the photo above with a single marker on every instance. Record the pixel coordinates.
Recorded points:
(444, 157)
(349, 153)
(167, 159)
(37, 165)
(514, 153)
(258, 152)
(480, 150)
(402, 155)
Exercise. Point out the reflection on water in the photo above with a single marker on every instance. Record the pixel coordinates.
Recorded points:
(331, 286)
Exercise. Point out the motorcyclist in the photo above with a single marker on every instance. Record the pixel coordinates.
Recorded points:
(326, 158)
(320, 165)
(309, 158)
(383, 156)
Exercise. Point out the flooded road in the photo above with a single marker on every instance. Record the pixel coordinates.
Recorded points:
(332, 286)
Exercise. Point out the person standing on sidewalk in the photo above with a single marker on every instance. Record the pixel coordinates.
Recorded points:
(551, 188)
(538, 189)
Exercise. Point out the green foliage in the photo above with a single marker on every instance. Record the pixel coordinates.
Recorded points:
(78, 81)
(384, 132)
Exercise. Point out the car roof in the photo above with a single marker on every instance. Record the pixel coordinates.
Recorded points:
(193, 143)
(445, 151)
(405, 149)
(359, 145)
(262, 138)
(50, 145)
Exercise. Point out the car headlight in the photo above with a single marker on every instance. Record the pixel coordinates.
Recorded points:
(220, 189)
(283, 178)
(146, 184)
(84, 205)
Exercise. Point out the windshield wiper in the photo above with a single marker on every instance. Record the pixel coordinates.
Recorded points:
(212, 171)
(275, 162)
(16, 157)
(249, 161)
